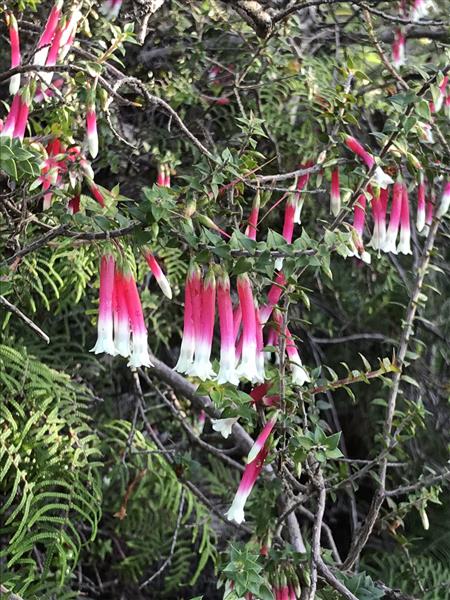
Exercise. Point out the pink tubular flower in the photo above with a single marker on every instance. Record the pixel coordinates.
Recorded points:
(335, 196)
(262, 438)
(227, 371)
(273, 297)
(122, 330)
(441, 97)
(250, 230)
(359, 216)
(91, 125)
(74, 205)
(421, 8)
(252, 470)
(187, 349)
(248, 366)
(404, 245)
(299, 374)
(96, 192)
(14, 82)
(160, 177)
(299, 198)
(420, 216)
(259, 346)
(47, 35)
(139, 349)
(69, 33)
(204, 321)
(288, 226)
(158, 274)
(43, 94)
(379, 232)
(444, 204)
(53, 54)
(398, 49)
(394, 219)
(10, 122)
(428, 216)
(22, 117)
(381, 178)
(105, 341)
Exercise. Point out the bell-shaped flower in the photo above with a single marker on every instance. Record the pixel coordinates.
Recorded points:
(252, 222)
(139, 356)
(299, 373)
(44, 42)
(227, 371)
(404, 244)
(444, 204)
(420, 215)
(252, 470)
(398, 48)
(247, 368)
(187, 349)
(262, 438)
(224, 426)
(204, 316)
(381, 178)
(161, 279)
(122, 331)
(335, 195)
(105, 341)
(14, 82)
(394, 218)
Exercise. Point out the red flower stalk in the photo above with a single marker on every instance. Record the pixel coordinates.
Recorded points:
(158, 274)
(420, 216)
(204, 321)
(335, 196)
(404, 245)
(139, 349)
(381, 178)
(105, 341)
(122, 331)
(250, 230)
(394, 219)
(10, 122)
(227, 371)
(398, 48)
(91, 124)
(248, 365)
(14, 82)
(48, 33)
(251, 473)
(187, 349)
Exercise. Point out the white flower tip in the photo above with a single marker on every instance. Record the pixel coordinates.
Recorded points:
(299, 375)
(139, 359)
(236, 514)
(254, 451)
(224, 426)
(165, 287)
(382, 178)
(279, 264)
(14, 84)
(104, 346)
(420, 222)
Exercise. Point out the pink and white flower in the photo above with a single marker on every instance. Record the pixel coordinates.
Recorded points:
(420, 216)
(404, 245)
(24, 110)
(139, 356)
(273, 297)
(302, 181)
(381, 178)
(10, 122)
(186, 358)
(421, 8)
(52, 55)
(91, 125)
(299, 374)
(262, 438)
(442, 94)
(122, 331)
(259, 346)
(224, 426)
(204, 326)
(227, 371)
(335, 196)
(359, 216)
(158, 274)
(444, 204)
(394, 219)
(252, 470)
(288, 226)
(379, 231)
(250, 230)
(247, 368)
(48, 33)
(398, 48)
(105, 341)
(14, 82)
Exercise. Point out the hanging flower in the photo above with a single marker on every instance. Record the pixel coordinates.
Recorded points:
(259, 346)
(122, 331)
(96, 192)
(379, 232)
(404, 245)
(52, 55)
(69, 33)
(139, 356)
(14, 82)
(441, 96)
(224, 426)
(43, 44)
(158, 274)
(420, 217)
(382, 179)
(398, 48)
(421, 9)
(273, 297)
(335, 196)
(10, 122)
(24, 110)
(288, 226)
(250, 230)
(299, 374)
(302, 181)
(247, 367)
(359, 216)
(262, 438)
(91, 124)
(204, 315)
(187, 349)
(394, 219)
(105, 341)
(429, 212)
(252, 470)
(227, 371)
(445, 201)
